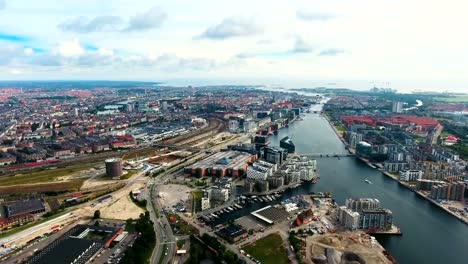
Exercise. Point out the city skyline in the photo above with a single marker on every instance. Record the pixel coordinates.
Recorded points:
(352, 44)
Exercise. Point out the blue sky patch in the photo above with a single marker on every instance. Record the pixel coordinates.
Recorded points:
(90, 47)
(13, 38)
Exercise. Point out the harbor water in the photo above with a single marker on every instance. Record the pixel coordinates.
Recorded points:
(430, 235)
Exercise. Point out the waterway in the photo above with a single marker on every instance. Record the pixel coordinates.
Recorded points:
(430, 235)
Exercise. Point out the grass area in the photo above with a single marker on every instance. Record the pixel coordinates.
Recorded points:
(40, 176)
(180, 243)
(181, 227)
(268, 250)
(142, 204)
(340, 128)
(453, 99)
(445, 134)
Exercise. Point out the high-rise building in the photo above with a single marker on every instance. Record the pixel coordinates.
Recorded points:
(205, 201)
(164, 105)
(410, 175)
(397, 107)
(348, 218)
(275, 155)
(354, 138)
(448, 191)
(375, 219)
(360, 204)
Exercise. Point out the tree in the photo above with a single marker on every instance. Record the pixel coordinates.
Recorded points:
(97, 214)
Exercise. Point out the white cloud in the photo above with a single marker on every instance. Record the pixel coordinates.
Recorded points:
(83, 24)
(301, 46)
(105, 52)
(28, 51)
(313, 16)
(16, 71)
(153, 18)
(331, 52)
(233, 27)
(399, 36)
(68, 48)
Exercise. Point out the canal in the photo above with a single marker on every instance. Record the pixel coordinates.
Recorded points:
(430, 235)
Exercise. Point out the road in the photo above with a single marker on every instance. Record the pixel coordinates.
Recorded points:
(164, 235)
(165, 240)
(73, 215)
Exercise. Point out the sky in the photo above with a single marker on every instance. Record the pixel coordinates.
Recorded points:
(403, 44)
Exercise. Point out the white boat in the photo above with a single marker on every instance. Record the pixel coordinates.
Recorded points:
(369, 182)
(215, 216)
(230, 209)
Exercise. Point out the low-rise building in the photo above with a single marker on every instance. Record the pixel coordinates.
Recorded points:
(232, 233)
(32, 206)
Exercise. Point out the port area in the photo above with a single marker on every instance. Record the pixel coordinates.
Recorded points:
(453, 208)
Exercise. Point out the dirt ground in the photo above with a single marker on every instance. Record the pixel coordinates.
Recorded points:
(171, 194)
(121, 207)
(92, 183)
(356, 242)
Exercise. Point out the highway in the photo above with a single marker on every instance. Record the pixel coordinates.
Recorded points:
(165, 240)
(164, 236)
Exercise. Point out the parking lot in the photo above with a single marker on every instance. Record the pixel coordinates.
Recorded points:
(115, 254)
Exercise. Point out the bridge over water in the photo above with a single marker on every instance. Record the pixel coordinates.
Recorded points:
(325, 155)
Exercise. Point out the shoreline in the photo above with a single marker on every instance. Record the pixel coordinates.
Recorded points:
(350, 150)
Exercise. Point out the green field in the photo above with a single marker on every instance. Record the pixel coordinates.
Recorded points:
(453, 99)
(340, 128)
(268, 250)
(40, 176)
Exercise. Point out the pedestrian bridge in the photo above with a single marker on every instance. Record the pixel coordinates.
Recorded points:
(325, 155)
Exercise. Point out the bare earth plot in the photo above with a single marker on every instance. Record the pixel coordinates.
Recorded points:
(122, 207)
(172, 194)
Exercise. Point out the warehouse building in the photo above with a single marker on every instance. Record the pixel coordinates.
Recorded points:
(77, 245)
(32, 206)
